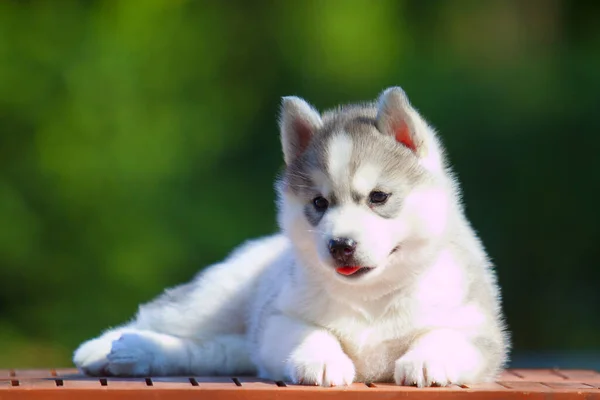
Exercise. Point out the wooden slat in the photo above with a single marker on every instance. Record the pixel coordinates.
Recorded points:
(526, 386)
(180, 383)
(68, 384)
(220, 382)
(64, 372)
(83, 382)
(568, 385)
(5, 373)
(347, 390)
(251, 383)
(594, 384)
(580, 375)
(495, 386)
(394, 387)
(33, 373)
(509, 376)
(174, 382)
(127, 383)
(37, 383)
(539, 375)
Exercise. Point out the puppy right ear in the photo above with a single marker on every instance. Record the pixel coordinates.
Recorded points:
(298, 122)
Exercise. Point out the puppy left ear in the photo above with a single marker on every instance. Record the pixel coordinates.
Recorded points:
(396, 117)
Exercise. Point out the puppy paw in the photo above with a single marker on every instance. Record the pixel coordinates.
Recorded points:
(440, 358)
(329, 368)
(130, 353)
(91, 356)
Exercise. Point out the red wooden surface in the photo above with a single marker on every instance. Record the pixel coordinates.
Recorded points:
(69, 384)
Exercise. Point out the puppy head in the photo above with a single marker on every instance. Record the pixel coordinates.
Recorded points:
(363, 185)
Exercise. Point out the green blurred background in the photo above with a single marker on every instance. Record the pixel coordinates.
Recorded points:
(138, 143)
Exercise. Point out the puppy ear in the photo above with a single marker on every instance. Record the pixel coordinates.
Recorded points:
(396, 117)
(298, 122)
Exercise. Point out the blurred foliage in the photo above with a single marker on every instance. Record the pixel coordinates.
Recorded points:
(138, 143)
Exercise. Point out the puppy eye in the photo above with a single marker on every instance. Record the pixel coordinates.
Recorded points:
(320, 203)
(377, 197)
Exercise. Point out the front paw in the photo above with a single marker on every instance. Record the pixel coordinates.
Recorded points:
(328, 368)
(440, 358)
(118, 354)
(91, 356)
(130, 355)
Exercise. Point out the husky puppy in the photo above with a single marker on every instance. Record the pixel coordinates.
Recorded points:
(376, 275)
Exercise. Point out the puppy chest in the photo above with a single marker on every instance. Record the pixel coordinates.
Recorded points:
(374, 352)
(375, 361)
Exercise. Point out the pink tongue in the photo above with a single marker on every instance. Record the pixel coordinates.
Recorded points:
(347, 270)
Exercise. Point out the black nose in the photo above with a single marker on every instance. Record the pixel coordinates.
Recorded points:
(342, 249)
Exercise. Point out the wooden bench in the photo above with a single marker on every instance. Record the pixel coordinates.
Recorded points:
(69, 384)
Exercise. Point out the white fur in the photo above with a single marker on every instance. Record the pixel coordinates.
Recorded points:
(365, 178)
(425, 315)
(441, 357)
(339, 155)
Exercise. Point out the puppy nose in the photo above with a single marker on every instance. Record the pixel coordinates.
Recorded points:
(342, 249)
